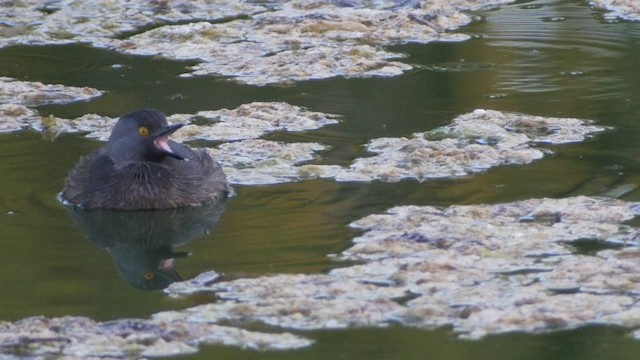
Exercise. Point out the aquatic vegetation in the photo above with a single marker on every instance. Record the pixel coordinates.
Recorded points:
(474, 142)
(99, 22)
(482, 269)
(627, 10)
(260, 162)
(80, 337)
(30, 93)
(251, 42)
(17, 98)
(251, 161)
(295, 41)
(16, 117)
(479, 269)
(250, 121)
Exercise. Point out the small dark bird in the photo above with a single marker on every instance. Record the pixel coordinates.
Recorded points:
(141, 169)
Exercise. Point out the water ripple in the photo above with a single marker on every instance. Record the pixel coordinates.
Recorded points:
(543, 47)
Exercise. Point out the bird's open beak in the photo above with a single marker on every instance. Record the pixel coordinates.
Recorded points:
(161, 140)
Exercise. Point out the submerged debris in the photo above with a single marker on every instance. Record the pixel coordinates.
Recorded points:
(474, 142)
(30, 93)
(623, 9)
(479, 268)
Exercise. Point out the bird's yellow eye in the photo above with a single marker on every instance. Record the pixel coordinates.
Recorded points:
(148, 275)
(143, 131)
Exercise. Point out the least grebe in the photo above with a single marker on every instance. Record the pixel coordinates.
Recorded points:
(140, 169)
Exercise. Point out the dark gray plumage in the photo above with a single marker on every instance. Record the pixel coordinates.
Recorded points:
(140, 169)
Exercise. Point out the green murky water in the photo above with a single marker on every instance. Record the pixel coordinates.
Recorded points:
(550, 58)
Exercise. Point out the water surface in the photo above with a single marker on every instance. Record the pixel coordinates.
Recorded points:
(550, 58)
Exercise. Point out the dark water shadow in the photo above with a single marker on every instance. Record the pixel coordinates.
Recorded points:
(142, 243)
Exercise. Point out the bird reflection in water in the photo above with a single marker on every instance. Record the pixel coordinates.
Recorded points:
(142, 242)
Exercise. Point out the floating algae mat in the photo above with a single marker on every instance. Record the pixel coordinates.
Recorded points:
(481, 269)
(474, 142)
(81, 337)
(251, 42)
(458, 266)
(16, 95)
(628, 10)
(528, 266)
(30, 93)
(256, 43)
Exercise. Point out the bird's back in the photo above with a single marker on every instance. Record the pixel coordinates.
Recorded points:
(99, 182)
